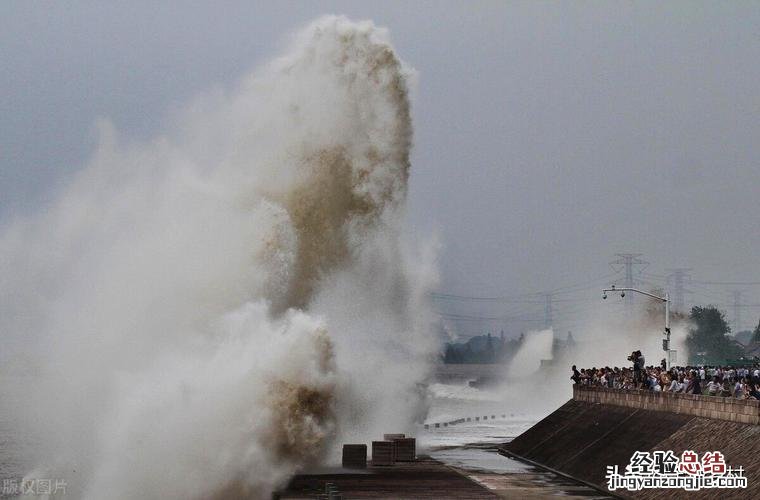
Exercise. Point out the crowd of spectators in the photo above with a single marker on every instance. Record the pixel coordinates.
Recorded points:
(719, 381)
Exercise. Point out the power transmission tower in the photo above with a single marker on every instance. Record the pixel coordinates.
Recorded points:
(677, 278)
(737, 297)
(548, 320)
(627, 261)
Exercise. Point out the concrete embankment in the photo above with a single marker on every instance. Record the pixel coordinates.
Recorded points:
(422, 479)
(601, 427)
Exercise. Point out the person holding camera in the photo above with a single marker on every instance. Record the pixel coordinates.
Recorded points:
(576, 377)
(638, 365)
(636, 373)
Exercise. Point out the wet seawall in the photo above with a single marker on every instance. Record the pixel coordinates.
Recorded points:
(601, 427)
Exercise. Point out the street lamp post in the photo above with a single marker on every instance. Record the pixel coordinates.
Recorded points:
(665, 299)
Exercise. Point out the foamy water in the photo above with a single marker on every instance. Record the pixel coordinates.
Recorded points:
(205, 312)
(472, 447)
(454, 401)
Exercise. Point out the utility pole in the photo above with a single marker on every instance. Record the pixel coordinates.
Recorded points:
(626, 262)
(677, 278)
(666, 299)
(737, 296)
(548, 321)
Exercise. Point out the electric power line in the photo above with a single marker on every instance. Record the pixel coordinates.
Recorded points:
(526, 298)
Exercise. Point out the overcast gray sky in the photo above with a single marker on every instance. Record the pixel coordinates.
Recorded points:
(548, 135)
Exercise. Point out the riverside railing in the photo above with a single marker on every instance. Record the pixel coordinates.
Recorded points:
(745, 411)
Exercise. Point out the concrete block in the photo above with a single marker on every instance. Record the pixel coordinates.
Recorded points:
(355, 456)
(393, 437)
(382, 453)
(406, 449)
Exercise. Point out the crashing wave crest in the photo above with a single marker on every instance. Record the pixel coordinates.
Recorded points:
(207, 312)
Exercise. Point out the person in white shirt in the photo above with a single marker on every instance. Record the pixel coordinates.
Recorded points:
(677, 384)
(713, 387)
(654, 383)
(738, 388)
(672, 386)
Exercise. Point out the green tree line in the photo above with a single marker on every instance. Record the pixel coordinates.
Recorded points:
(708, 340)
